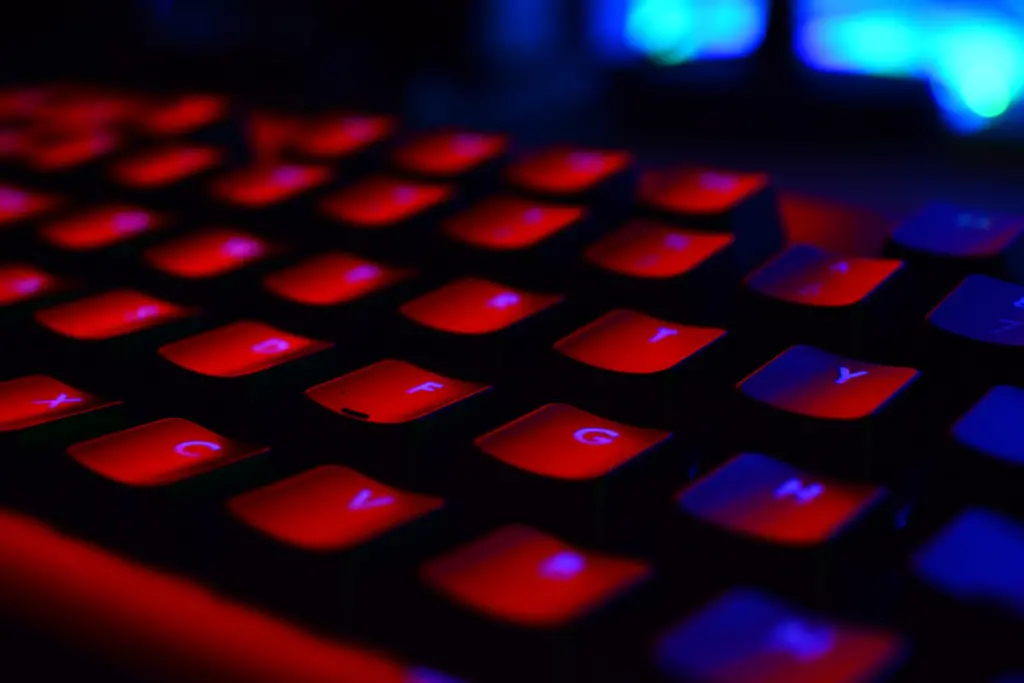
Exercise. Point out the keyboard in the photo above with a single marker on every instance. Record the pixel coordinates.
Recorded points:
(319, 396)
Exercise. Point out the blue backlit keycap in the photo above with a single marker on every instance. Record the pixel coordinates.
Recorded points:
(994, 426)
(977, 559)
(983, 309)
(746, 636)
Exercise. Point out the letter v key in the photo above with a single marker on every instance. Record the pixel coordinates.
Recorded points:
(364, 500)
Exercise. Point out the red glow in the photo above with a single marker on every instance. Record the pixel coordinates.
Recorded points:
(698, 190)
(269, 135)
(161, 452)
(449, 153)
(17, 204)
(509, 223)
(12, 143)
(268, 184)
(100, 226)
(391, 392)
(474, 306)
(109, 315)
(69, 150)
(340, 135)
(520, 575)
(651, 250)
(165, 165)
(20, 282)
(29, 401)
(567, 443)
(184, 114)
(239, 349)
(212, 252)
(627, 341)
(159, 625)
(329, 508)
(333, 278)
(830, 225)
(87, 110)
(18, 103)
(564, 170)
(381, 202)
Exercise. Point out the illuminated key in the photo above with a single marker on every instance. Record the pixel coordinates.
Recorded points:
(31, 401)
(337, 136)
(165, 166)
(643, 249)
(564, 442)
(382, 202)
(239, 349)
(266, 185)
(630, 342)
(329, 508)
(983, 309)
(111, 314)
(184, 113)
(508, 223)
(746, 636)
(206, 254)
(160, 453)
(474, 306)
(698, 191)
(17, 204)
(391, 392)
(449, 153)
(69, 150)
(524, 577)
(767, 499)
(946, 230)
(566, 171)
(333, 278)
(21, 282)
(100, 227)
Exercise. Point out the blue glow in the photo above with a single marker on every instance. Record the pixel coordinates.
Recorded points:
(676, 31)
(970, 51)
(993, 426)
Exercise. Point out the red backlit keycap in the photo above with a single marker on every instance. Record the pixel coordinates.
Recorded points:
(86, 110)
(522, 576)
(165, 165)
(69, 150)
(108, 315)
(30, 401)
(474, 306)
(644, 249)
(567, 443)
(449, 153)
(209, 253)
(159, 453)
(810, 382)
(329, 508)
(698, 191)
(631, 342)
(17, 204)
(806, 275)
(341, 135)
(99, 227)
(20, 282)
(563, 170)
(391, 392)
(382, 202)
(509, 223)
(184, 114)
(746, 636)
(265, 185)
(333, 278)
(18, 103)
(758, 496)
(239, 349)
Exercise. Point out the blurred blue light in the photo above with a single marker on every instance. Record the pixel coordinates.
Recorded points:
(971, 52)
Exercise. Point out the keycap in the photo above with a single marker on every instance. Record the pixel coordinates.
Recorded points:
(21, 102)
(160, 453)
(571, 172)
(87, 110)
(569, 469)
(48, 570)
(36, 400)
(183, 114)
(948, 242)
(448, 153)
(394, 407)
(208, 255)
(265, 185)
(835, 404)
(338, 136)
(472, 306)
(507, 223)
(165, 166)
(69, 151)
(747, 636)
(109, 314)
(21, 282)
(18, 204)
(660, 265)
(100, 227)
(837, 301)
(742, 204)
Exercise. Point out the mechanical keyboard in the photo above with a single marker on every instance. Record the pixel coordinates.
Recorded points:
(316, 396)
